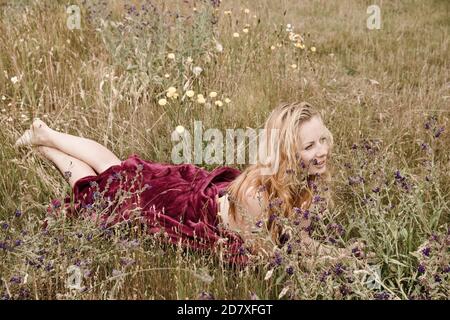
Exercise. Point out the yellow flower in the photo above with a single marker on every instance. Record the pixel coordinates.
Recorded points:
(218, 103)
(213, 94)
(200, 99)
(227, 101)
(162, 102)
(171, 56)
(313, 49)
(245, 30)
(236, 35)
(190, 93)
(171, 92)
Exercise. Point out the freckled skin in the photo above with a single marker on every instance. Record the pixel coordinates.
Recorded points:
(314, 145)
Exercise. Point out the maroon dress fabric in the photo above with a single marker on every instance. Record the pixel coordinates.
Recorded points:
(176, 199)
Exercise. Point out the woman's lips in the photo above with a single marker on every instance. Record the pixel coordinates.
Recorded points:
(320, 164)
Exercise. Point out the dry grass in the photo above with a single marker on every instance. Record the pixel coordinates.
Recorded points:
(377, 89)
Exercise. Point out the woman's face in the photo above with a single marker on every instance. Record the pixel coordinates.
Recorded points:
(314, 145)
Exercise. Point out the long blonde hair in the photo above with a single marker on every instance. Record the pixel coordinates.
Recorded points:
(288, 187)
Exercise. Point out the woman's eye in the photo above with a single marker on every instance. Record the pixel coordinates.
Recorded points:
(308, 147)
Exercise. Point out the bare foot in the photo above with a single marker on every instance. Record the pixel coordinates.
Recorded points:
(35, 136)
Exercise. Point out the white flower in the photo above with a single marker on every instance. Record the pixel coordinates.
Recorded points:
(213, 94)
(171, 56)
(219, 47)
(227, 101)
(14, 79)
(218, 103)
(235, 35)
(190, 93)
(162, 102)
(246, 11)
(245, 30)
(3, 98)
(189, 60)
(167, 76)
(197, 70)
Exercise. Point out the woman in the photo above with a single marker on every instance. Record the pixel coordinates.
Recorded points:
(200, 209)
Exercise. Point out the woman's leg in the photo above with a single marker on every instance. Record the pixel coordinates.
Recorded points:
(88, 151)
(71, 168)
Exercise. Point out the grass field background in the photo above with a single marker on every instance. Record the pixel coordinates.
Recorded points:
(384, 94)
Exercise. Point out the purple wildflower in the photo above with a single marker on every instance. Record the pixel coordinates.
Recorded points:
(5, 226)
(339, 269)
(426, 251)
(290, 270)
(18, 213)
(382, 296)
(16, 280)
(421, 269)
(439, 132)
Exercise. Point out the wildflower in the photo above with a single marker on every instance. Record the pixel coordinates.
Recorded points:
(426, 251)
(376, 190)
(167, 76)
(18, 213)
(205, 296)
(200, 99)
(272, 47)
(339, 269)
(162, 102)
(290, 270)
(197, 70)
(218, 103)
(382, 296)
(171, 91)
(235, 35)
(437, 278)
(259, 224)
(246, 11)
(171, 56)
(16, 279)
(227, 101)
(313, 49)
(245, 30)
(190, 93)
(439, 132)
(213, 94)
(293, 66)
(189, 60)
(279, 45)
(219, 47)
(5, 226)
(3, 98)
(421, 268)
(227, 12)
(14, 79)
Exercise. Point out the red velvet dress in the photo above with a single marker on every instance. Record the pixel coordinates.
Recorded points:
(176, 199)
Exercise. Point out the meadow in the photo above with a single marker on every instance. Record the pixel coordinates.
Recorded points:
(135, 70)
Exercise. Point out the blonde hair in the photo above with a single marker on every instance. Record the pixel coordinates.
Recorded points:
(290, 182)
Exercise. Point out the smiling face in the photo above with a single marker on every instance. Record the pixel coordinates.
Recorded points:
(314, 145)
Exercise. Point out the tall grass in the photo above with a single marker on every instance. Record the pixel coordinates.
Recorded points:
(385, 96)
